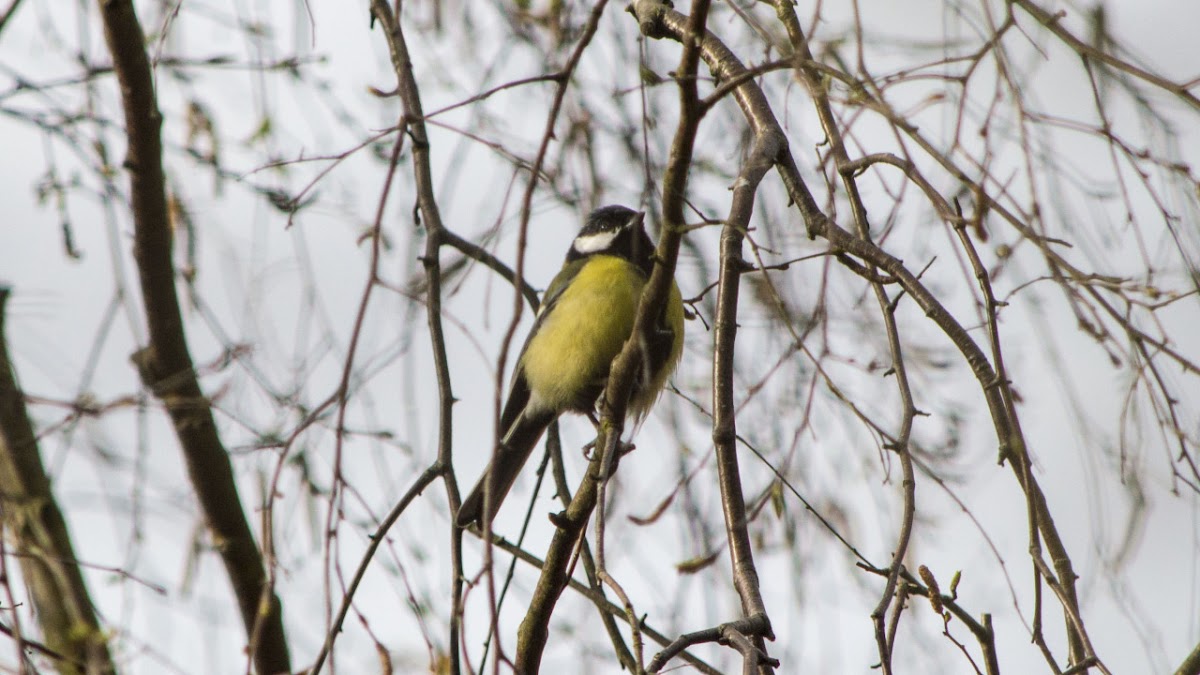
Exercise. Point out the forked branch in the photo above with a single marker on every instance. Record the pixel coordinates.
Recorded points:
(658, 20)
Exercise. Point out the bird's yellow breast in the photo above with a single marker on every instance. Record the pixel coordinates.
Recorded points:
(574, 347)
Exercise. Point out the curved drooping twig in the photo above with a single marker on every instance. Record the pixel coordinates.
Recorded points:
(413, 124)
(658, 20)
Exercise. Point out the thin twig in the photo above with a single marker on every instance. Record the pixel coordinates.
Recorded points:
(656, 20)
(1053, 23)
(430, 474)
(430, 215)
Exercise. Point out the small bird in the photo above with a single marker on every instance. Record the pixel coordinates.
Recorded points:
(585, 318)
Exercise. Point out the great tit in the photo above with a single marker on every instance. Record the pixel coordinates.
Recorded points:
(585, 318)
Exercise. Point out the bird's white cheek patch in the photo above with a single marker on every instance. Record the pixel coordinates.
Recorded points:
(594, 243)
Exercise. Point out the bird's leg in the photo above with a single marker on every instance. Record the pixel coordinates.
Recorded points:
(623, 448)
(591, 445)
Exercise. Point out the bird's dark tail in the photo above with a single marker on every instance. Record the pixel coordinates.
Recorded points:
(502, 472)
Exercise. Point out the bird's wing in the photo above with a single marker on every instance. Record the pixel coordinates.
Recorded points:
(518, 389)
(554, 291)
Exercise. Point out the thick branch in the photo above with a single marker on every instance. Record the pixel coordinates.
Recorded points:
(1011, 441)
(995, 388)
(535, 627)
(656, 20)
(745, 574)
(812, 76)
(166, 364)
(602, 603)
(1191, 664)
(43, 543)
(534, 630)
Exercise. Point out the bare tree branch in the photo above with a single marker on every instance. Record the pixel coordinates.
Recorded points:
(32, 518)
(1053, 23)
(165, 365)
(9, 13)
(1191, 664)
(427, 207)
(656, 20)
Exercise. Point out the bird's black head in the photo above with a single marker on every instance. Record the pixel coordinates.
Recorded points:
(614, 230)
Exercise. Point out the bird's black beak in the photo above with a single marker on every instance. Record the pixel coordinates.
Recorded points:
(636, 220)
